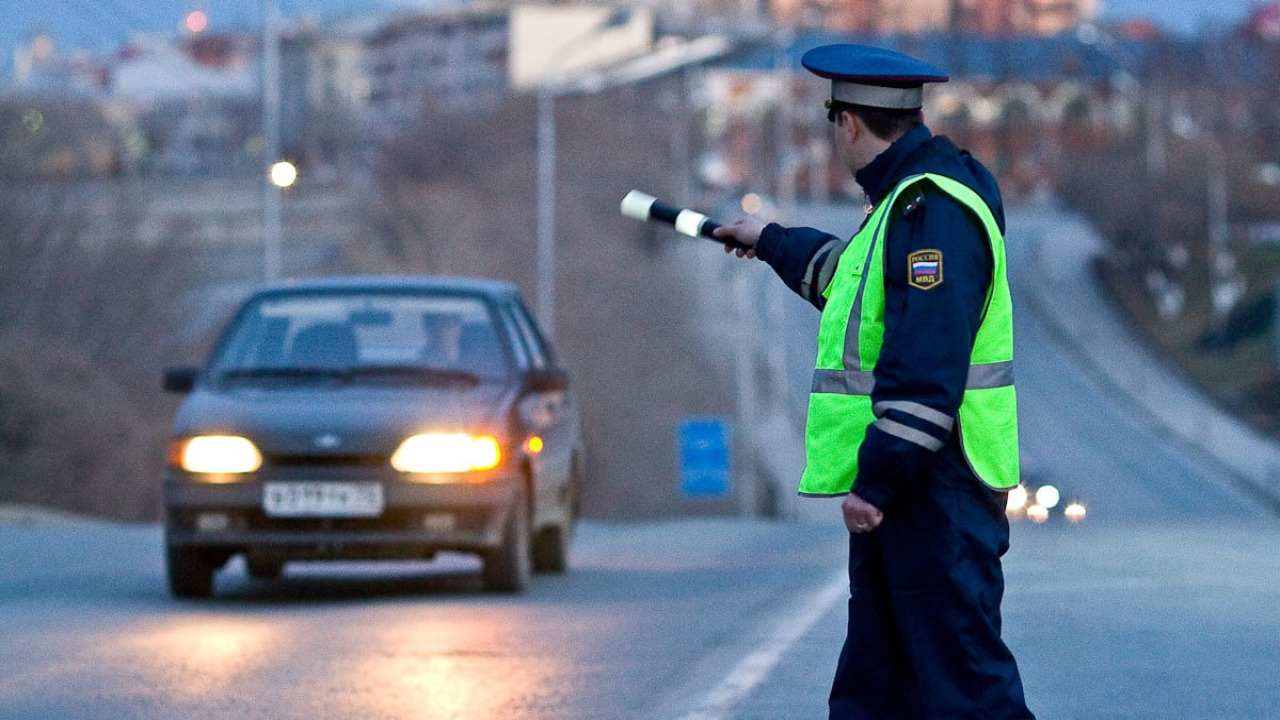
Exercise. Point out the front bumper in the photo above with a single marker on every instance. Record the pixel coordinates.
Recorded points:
(417, 520)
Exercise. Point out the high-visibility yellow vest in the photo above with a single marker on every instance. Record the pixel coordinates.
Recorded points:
(849, 342)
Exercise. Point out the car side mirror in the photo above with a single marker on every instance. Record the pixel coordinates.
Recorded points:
(180, 380)
(547, 379)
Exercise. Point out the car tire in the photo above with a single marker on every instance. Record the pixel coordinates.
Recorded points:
(264, 569)
(551, 544)
(507, 567)
(190, 572)
(551, 550)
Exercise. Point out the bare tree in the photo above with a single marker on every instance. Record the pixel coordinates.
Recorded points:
(85, 316)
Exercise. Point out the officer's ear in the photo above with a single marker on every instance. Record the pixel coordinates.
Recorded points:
(847, 122)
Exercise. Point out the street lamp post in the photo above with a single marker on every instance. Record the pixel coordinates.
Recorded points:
(1127, 82)
(548, 89)
(546, 208)
(1226, 283)
(272, 257)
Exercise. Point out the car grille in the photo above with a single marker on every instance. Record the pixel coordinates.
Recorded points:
(327, 460)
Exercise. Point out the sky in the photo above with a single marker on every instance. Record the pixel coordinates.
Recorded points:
(1182, 17)
(104, 24)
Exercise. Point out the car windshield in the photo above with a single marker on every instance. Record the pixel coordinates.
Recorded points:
(364, 337)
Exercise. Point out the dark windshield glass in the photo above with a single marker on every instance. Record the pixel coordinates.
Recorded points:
(375, 336)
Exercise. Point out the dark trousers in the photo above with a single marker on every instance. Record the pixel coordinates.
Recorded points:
(924, 610)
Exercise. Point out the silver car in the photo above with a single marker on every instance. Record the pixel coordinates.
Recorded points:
(373, 418)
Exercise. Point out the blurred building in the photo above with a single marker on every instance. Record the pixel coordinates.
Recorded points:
(38, 69)
(984, 17)
(550, 40)
(448, 59)
(1020, 104)
(1264, 22)
(190, 107)
(324, 92)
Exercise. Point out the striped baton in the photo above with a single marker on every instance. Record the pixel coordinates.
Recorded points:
(642, 206)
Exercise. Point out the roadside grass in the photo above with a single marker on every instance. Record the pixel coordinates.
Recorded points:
(1232, 359)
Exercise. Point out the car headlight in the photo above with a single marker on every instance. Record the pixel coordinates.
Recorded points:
(216, 455)
(446, 453)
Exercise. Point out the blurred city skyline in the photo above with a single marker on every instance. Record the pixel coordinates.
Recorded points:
(102, 25)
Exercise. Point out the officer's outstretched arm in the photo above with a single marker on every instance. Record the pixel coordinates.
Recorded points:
(804, 258)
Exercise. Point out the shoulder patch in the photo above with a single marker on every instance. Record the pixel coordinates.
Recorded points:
(924, 269)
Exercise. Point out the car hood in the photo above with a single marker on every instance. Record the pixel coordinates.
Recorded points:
(342, 420)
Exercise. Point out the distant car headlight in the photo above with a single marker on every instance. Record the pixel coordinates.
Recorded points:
(446, 453)
(216, 455)
(1048, 496)
(1017, 499)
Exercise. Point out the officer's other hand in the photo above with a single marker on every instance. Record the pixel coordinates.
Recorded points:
(860, 516)
(745, 231)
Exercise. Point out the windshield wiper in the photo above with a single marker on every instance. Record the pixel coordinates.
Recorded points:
(430, 375)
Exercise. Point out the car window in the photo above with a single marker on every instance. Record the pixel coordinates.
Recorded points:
(529, 334)
(513, 332)
(356, 331)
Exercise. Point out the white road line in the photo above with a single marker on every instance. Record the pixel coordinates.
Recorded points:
(755, 667)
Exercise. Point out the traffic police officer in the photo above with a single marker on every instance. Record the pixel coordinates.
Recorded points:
(912, 417)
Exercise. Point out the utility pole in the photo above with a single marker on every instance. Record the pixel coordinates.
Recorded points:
(546, 228)
(1222, 265)
(551, 85)
(1156, 155)
(271, 252)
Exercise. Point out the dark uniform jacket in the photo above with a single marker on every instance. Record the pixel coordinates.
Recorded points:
(929, 333)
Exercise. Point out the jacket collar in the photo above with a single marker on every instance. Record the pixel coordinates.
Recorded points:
(878, 178)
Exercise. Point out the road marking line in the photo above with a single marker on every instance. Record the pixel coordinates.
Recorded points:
(755, 668)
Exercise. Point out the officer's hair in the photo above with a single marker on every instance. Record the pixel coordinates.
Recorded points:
(884, 123)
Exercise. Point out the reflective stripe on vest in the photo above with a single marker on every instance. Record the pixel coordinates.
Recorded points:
(849, 342)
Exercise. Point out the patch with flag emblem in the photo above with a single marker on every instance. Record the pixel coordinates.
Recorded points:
(924, 269)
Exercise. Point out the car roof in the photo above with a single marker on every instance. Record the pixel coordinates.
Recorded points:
(392, 283)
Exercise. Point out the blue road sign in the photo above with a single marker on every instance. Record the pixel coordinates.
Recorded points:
(704, 457)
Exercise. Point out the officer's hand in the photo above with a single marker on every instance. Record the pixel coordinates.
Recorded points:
(859, 515)
(745, 231)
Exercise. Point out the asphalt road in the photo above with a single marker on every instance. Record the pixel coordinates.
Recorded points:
(1098, 449)
(88, 631)
(1164, 603)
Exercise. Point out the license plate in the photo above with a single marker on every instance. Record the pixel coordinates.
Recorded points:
(322, 499)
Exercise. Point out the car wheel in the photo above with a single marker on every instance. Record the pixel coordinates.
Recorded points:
(264, 569)
(507, 567)
(550, 550)
(551, 544)
(190, 572)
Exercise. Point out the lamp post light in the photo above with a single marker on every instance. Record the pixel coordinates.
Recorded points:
(548, 89)
(284, 174)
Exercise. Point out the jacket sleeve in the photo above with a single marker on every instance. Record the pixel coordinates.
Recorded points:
(803, 257)
(930, 327)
